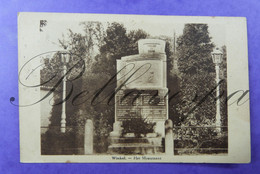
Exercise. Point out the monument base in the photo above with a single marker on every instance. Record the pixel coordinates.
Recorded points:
(150, 143)
(132, 145)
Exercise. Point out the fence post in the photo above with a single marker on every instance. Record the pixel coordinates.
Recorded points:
(169, 147)
(88, 137)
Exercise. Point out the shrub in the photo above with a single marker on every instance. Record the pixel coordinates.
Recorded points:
(138, 126)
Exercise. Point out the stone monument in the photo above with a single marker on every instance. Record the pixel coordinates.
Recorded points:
(141, 91)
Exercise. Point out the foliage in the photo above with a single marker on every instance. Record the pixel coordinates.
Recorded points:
(194, 49)
(51, 71)
(80, 48)
(197, 106)
(117, 43)
(223, 87)
(197, 73)
(200, 140)
(53, 142)
(138, 126)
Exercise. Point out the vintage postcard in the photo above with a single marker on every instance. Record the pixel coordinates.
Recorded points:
(133, 88)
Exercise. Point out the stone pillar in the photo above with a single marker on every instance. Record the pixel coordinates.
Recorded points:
(168, 137)
(117, 129)
(88, 138)
(159, 128)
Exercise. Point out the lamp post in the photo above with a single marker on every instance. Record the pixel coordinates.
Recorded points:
(64, 59)
(217, 57)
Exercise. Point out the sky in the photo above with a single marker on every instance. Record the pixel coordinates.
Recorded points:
(54, 31)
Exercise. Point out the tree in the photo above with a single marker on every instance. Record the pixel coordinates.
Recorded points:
(223, 87)
(197, 106)
(80, 48)
(117, 43)
(194, 49)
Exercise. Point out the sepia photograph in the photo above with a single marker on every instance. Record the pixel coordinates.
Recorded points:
(132, 90)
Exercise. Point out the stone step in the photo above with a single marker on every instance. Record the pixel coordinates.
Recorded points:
(127, 140)
(132, 145)
(134, 148)
(156, 140)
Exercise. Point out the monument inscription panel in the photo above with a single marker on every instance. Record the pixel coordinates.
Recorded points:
(145, 103)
